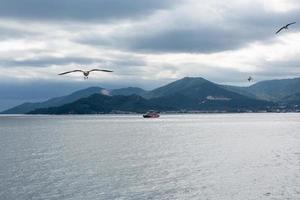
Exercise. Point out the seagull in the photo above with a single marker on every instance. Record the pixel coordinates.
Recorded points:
(285, 27)
(86, 73)
(250, 78)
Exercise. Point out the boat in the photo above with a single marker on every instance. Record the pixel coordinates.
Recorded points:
(151, 114)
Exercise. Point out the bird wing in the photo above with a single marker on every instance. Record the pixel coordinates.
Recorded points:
(279, 30)
(77, 70)
(100, 70)
(291, 23)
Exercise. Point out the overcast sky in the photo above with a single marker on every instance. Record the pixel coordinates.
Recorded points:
(146, 42)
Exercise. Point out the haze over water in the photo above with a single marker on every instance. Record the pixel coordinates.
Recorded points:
(213, 156)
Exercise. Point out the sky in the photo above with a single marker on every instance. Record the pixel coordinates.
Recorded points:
(147, 43)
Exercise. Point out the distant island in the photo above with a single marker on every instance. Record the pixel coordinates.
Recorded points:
(187, 95)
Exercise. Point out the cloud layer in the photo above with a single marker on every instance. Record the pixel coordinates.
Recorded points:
(79, 10)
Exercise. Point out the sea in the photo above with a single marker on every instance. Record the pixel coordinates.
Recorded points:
(192, 156)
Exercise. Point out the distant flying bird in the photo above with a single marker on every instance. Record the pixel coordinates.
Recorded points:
(285, 27)
(86, 73)
(250, 78)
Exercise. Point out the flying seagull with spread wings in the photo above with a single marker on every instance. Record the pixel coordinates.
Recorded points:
(285, 27)
(86, 73)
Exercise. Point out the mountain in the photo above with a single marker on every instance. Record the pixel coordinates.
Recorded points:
(99, 103)
(186, 94)
(128, 91)
(271, 90)
(27, 107)
(240, 90)
(275, 90)
(58, 101)
(292, 99)
(182, 86)
(194, 88)
(201, 94)
(189, 94)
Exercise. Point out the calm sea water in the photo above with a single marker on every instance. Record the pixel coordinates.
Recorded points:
(213, 156)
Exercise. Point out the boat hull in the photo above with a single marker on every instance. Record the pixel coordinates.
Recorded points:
(151, 116)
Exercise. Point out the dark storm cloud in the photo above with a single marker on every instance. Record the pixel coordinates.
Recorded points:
(79, 9)
(235, 31)
(204, 40)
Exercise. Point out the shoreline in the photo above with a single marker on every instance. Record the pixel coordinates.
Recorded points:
(162, 113)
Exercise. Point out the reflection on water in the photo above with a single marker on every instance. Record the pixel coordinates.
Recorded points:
(213, 156)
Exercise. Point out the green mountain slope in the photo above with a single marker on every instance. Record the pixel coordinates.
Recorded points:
(98, 103)
(59, 101)
(185, 94)
(27, 107)
(128, 91)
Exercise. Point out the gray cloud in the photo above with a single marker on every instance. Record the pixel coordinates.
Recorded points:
(236, 30)
(79, 9)
(122, 65)
(280, 69)
(10, 33)
(47, 61)
(203, 40)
